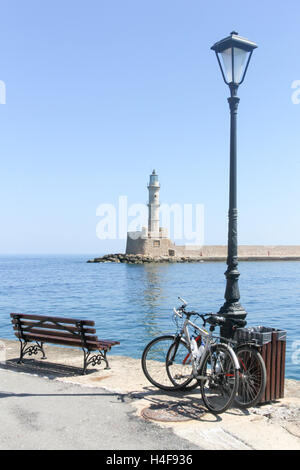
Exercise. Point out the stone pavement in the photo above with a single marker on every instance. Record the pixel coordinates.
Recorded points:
(38, 413)
(50, 405)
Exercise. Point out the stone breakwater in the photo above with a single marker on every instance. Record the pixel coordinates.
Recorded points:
(207, 254)
(141, 259)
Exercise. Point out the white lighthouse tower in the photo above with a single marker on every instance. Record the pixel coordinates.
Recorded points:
(152, 241)
(153, 206)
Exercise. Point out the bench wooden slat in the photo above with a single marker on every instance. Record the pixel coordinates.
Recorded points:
(57, 334)
(92, 345)
(54, 319)
(52, 326)
(107, 341)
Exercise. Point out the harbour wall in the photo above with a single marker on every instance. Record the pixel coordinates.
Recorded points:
(157, 247)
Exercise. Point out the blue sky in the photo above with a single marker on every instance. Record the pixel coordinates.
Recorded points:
(101, 92)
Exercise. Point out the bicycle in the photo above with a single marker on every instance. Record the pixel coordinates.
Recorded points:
(252, 372)
(215, 370)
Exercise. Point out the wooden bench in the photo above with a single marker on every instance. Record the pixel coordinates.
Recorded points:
(58, 330)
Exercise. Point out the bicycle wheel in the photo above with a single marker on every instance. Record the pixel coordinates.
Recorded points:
(179, 366)
(220, 379)
(252, 377)
(154, 362)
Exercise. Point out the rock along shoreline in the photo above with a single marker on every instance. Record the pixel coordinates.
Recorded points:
(142, 259)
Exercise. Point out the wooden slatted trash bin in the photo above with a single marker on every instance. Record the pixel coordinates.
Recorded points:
(272, 346)
(273, 354)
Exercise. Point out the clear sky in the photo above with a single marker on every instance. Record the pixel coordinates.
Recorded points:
(100, 92)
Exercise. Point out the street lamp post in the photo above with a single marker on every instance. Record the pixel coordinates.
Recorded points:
(233, 54)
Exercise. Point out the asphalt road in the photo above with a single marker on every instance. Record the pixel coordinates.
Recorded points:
(39, 413)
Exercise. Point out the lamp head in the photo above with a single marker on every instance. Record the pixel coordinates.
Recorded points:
(234, 53)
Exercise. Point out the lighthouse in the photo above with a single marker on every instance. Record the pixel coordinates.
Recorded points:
(153, 240)
(153, 206)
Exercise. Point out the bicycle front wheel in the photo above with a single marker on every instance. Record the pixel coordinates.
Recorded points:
(252, 377)
(154, 362)
(219, 380)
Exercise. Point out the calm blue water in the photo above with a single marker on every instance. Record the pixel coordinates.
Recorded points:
(133, 303)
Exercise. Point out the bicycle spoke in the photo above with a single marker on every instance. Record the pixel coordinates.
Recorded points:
(154, 362)
(218, 391)
(179, 366)
(252, 376)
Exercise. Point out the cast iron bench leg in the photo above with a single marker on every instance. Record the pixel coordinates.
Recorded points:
(96, 359)
(30, 350)
(42, 350)
(106, 361)
(22, 347)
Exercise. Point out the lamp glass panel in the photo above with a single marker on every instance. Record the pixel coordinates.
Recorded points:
(240, 61)
(227, 64)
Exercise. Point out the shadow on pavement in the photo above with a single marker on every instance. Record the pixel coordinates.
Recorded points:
(185, 404)
(43, 368)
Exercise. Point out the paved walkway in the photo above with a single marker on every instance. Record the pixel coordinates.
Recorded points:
(39, 413)
(62, 409)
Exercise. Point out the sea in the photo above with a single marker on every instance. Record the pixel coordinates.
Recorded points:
(134, 303)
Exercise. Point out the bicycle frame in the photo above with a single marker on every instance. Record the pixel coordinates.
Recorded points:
(197, 363)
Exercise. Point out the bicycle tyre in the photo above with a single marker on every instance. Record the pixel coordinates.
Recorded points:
(252, 377)
(154, 362)
(179, 366)
(218, 381)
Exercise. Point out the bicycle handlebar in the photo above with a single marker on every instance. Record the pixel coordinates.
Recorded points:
(183, 301)
(177, 312)
(181, 310)
(212, 319)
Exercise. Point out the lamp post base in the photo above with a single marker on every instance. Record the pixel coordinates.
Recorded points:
(231, 311)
